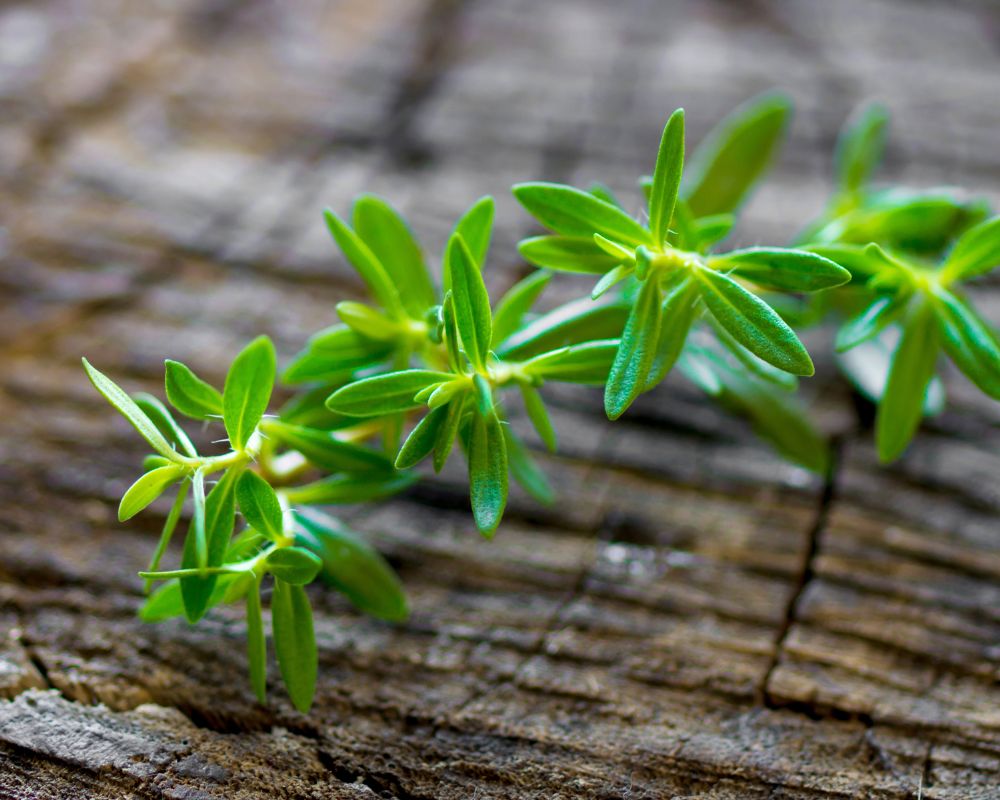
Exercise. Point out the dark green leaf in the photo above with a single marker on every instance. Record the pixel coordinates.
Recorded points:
(566, 254)
(975, 253)
(784, 270)
(475, 227)
(516, 303)
(384, 394)
(308, 409)
(539, 416)
(731, 159)
(636, 352)
(525, 471)
(867, 367)
(326, 451)
(366, 263)
(353, 567)
(189, 394)
(487, 472)
(573, 323)
(667, 177)
(295, 565)
(471, 302)
(451, 333)
(248, 390)
(127, 407)
(854, 258)
(753, 323)
(421, 440)
(393, 245)
(294, 642)
(883, 311)
(571, 212)
(587, 363)
(913, 365)
(347, 489)
(165, 423)
(145, 490)
(260, 505)
(859, 147)
(680, 309)
(969, 341)
(256, 646)
(166, 602)
(448, 431)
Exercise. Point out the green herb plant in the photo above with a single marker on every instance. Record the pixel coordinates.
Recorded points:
(432, 367)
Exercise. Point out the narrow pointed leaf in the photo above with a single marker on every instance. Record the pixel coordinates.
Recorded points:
(680, 309)
(969, 341)
(475, 228)
(366, 263)
(326, 451)
(350, 489)
(165, 423)
(294, 642)
(566, 254)
(571, 212)
(782, 269)
(636, 352)
(472, 303)
(516, 303)
(610, 278)
(448, 431)
(539, 416)
(487, 472)
(247, 393)
(295, 565)
(976, 252)
(882, 311)
(420, 442)
(667, 177)
(145, 490)
(587, 363)
(525, 470)
(256, 645)
(260, 505)
(189, 394)
(859, 147)
(569, 324)
(384, 394)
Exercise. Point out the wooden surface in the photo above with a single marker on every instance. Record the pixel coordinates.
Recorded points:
(693, 619)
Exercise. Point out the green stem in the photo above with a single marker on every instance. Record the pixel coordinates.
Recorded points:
(168, 531)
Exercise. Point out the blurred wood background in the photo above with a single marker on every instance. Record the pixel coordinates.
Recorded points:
(694, 618)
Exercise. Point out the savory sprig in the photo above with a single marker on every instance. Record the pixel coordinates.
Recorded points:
(674, 278)
(252, 481)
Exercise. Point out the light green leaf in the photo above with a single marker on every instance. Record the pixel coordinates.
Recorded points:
(165, 422)
(471, 302)
(325, 450)
(883, 311)
(969, 341)
(166, 602)
(349, 489)
(680, 309)
(384, 394)
(294, 642)
(367, 322)
(145, 490)
(975, 253)
(189, 394)
(782, 269)
(420, 442)
(587, 363)
(667, 177)
(487, 472)
(539, 416)
(913, 364)
(525, 471)
(450, 332)
(566, 254)
(366, 263)
(753, 323)
(732, 158)
(295, 565)
(247, 392)
(859, 147)
(636, 352)
(256, 645)
(571, 212)
(569, 324)
(448, 431)
(611, 278)
(127, 407)
(475, 227)
(392, 243)
(353, 567)
(260, 505)
(706, 231)
(516, 303)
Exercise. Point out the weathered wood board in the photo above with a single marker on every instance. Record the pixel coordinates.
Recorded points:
(693, 618)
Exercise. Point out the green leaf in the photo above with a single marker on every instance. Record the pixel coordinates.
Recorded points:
(248, 390)
(680, 309)
(475, 227)
(756, 367)
(308, 409)
(539, 416)
(295, 565)
(218, 522)
(325, 450)
(567, 254)
(366, 263)
(145, 490)
(571, 212)
(487, 472)
(189, 394)
(867, 367)
(384, 394)
(256, 645)
(450, 332)
(472, 303)
(295, 642)
(420, 442)
(782, 269)
(395, 248)
(525, 471)
(448, 431)
(969, 341)
(516, 303)
(367, 322)
(667, 177)
(587, 363)
(166, 602)
(169, 525)
(602, 192)
(353, 567)
(349, 489)
(260, 505)
(859, 147)
(883, 311)
(611, 278)
(732, 158)
(165, 422)
(975, 253)
(636, 352)
(753, 323)
(855, 258)
(573, 323)
(127, 407)
(709, 230)
(913, 364)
